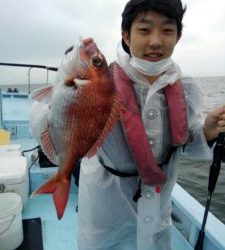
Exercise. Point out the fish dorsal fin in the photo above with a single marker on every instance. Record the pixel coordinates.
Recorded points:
(48, 146)
(117, 109)
(43, 94)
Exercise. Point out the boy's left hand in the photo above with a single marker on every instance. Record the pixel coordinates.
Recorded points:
(214, 123)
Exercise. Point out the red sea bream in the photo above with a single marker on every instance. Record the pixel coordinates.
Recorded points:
(83, 108)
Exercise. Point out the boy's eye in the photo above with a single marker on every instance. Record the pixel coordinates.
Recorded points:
(169, 30)
(144, 30)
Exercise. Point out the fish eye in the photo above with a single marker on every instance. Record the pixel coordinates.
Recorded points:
(97, 61)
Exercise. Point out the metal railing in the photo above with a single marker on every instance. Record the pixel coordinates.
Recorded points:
(30, 66)
(1, 111)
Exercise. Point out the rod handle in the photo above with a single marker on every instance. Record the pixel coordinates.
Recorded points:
(200, 241)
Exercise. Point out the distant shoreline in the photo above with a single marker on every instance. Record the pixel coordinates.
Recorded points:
(21, 87)
(24, 87)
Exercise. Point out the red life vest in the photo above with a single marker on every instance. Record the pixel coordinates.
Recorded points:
(135, 134)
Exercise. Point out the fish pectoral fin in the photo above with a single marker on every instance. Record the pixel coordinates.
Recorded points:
(115, 114)
(42, 94)
(48, 146)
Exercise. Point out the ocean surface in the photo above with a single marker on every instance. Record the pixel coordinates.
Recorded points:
(193, 177)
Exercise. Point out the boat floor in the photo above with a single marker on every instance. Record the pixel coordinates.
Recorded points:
(56, 234)
(32, 227)
(62, 234)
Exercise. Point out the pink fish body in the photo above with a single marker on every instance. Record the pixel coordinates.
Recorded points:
(83, 108)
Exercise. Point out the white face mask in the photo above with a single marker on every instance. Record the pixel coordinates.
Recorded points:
(151, 68)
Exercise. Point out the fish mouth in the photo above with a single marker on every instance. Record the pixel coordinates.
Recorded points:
(87, 41)
(82, 43)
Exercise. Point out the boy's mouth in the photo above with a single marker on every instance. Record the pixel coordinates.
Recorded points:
(153, 56)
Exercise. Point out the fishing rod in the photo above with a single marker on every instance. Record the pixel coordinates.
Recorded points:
(29, 66)
(218, 157)
(35, 65)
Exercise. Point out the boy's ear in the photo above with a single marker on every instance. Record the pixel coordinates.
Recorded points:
(125, 37)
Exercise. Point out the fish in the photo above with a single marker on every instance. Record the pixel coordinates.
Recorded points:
(83, 108)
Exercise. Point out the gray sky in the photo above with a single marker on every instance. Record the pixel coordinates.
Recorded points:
(39, 31)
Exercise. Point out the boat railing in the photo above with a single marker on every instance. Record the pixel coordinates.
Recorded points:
(31, 66)
(1, 111)
(187, 214)
(14, 113)
(15, 95)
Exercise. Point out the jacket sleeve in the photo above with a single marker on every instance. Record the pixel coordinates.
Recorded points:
(197, 147)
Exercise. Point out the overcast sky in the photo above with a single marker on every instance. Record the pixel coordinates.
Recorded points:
(39, 31)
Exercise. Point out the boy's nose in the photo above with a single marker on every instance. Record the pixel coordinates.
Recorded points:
(155, 40)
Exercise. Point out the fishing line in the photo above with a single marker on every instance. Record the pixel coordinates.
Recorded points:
(29, 150)
(32, 163)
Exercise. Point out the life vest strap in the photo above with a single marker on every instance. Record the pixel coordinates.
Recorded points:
(116, 172)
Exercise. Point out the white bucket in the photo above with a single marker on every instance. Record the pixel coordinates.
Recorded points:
(11, 229)
(14, 176)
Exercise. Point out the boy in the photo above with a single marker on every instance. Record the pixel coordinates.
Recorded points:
(124, 192)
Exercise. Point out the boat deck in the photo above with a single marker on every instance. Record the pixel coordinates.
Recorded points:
(57, 234)
(62, 234)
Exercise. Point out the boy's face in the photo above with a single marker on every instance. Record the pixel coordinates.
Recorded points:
(152, 36)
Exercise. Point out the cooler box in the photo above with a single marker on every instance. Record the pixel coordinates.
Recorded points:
(14, 176)
(10, 150)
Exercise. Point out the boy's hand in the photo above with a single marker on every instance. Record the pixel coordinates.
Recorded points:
(214, 123)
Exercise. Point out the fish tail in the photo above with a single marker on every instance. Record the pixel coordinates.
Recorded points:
(60, 197)
(60, 187)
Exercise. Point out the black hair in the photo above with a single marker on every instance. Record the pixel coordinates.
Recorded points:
(170, 8)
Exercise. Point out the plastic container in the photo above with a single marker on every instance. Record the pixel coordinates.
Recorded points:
(14, 176)
(11, 229)
(10, 150)
(4, 137)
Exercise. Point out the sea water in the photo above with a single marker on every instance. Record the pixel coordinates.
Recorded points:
(194, 177)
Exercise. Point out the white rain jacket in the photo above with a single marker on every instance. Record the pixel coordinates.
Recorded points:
(108, 217)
